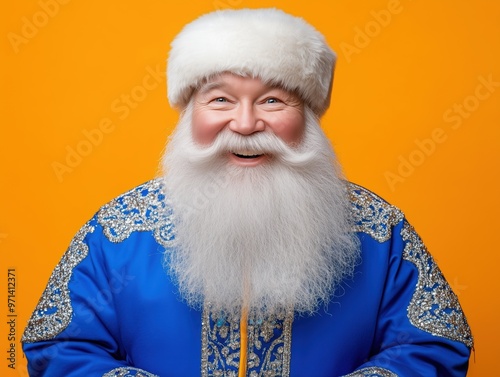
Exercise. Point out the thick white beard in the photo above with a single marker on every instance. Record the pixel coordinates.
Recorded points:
(271, 237)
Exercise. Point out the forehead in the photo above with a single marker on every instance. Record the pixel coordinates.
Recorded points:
(229, 80)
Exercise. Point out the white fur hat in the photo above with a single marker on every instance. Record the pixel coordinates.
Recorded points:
(266, 43)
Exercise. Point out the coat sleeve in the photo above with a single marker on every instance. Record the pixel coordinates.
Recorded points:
(421, 329)
(74, 329)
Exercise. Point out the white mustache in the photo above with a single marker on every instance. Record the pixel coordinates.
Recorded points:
(258, 143)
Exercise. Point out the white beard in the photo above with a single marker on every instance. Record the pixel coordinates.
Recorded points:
(268, 238)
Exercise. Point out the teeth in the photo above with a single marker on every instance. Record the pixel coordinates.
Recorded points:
(246, 154)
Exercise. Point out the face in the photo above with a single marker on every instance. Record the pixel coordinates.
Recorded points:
(289, 219)
(246, 106)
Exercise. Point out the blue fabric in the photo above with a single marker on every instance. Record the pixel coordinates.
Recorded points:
(125, 312)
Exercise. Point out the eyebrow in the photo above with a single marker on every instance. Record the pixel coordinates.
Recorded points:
(207, 87)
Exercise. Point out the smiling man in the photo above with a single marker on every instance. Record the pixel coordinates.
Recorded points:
(251, 256)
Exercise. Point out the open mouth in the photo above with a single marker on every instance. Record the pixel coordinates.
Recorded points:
(246, 155)
(248, 158)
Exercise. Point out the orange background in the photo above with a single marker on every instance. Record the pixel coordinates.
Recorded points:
(415, 117)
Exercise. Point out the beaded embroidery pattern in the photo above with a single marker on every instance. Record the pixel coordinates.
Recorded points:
(128, 372)
(434, 307)
(141, 209)
(372, 215)
(54, 311)
(372, 372)
(269, 342)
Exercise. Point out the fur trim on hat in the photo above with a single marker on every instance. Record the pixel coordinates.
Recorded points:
(266, 43)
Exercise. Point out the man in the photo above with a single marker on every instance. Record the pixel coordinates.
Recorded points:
(251, 256)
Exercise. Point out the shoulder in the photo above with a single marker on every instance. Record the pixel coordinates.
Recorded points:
(434, 307)
(141, 209)
(371, 214)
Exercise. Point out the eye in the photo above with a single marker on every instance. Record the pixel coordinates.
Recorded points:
(220, 99)
(272, 100)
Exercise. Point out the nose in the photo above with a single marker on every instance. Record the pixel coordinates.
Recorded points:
(246, 121)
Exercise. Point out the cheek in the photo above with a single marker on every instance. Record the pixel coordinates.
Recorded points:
(205, 127)
(290, 128)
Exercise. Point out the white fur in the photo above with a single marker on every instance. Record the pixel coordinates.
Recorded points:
(265, 43)
(269, 237)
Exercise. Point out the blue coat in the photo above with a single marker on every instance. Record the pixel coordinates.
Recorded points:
(111, 309)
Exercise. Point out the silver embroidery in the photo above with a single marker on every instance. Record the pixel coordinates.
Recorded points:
(434, 307)
(128, 372)
(269, 345)
(54, 311)
(371, 214)
(141, 209)
(372, 372)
